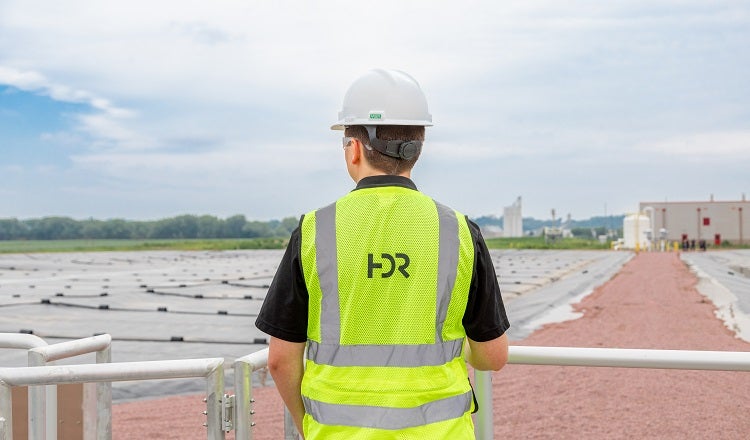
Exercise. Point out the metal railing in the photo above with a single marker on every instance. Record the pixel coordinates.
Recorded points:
(42, 402)
(212, 369)
(48, 396)
(526, 355)
(601, 357)
(235, 412)
(243, 391)
(243, 370)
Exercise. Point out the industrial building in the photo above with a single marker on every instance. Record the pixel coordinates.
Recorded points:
(713, 221)
(513, 220)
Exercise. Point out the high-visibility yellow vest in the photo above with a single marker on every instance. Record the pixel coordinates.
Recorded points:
(388, 271)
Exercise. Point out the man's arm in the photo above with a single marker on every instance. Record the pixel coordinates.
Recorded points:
(285, 363)
(490, 355)
(485, 319)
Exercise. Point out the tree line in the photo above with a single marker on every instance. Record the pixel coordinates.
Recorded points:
(207, 226)
(180, 227)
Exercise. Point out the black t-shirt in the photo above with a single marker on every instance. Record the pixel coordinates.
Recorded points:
(284, 311)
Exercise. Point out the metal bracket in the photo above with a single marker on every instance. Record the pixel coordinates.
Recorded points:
(227, 412)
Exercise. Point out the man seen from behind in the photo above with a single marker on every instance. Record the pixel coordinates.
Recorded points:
(390, 291)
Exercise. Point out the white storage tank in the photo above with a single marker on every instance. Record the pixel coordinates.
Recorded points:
(635, 229)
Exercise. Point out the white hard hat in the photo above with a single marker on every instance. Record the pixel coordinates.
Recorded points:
(384, 97)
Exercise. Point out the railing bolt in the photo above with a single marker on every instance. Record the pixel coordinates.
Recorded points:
(205, 413)
(205, 424)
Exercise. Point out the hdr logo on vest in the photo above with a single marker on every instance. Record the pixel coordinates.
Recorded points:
(401, 266)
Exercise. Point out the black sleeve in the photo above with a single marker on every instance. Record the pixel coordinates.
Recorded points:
(284, 311)
(485, 318)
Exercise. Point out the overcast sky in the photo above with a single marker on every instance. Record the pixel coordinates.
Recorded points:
(145, 110)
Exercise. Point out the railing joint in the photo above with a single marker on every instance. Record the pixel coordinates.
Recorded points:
(227, 412)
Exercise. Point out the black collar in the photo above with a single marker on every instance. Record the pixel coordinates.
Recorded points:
(385, 180)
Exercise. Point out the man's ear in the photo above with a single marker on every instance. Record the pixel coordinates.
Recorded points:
(357, 147)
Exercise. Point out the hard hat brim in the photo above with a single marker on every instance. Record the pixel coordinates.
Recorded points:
(343, 123)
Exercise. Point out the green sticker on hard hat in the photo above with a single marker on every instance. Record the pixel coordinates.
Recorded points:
(376, 115)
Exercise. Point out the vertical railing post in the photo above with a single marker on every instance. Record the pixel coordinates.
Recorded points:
(2, 428)
(484, 426)
(6, 412)
(243, 389)
(243, 401)
(214, 402)
(104, 399)
(243, 369)
(42, 404)
(290, 429)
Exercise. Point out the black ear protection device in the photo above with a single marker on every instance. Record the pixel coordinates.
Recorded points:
(396, 148)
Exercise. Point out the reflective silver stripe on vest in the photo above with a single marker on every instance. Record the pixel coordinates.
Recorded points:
(447, 264)
(326, 260)
(384, 355)
(328, 352)
(387, 417)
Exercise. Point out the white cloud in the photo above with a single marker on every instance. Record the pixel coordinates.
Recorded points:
(106, 125)
(482, 150)
(111, 133)
(713, 146)
(216, 167)
(181, 91)
(21, 80)
(32, 81)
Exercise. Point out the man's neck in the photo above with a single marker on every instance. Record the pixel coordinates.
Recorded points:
(360, 177)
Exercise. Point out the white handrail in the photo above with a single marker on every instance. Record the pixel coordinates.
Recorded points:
(42, 401)
(561, 356)
(210, 368)
(630, 358)
(20, 340)
(602, 357)
(50, 353)
(114, 372)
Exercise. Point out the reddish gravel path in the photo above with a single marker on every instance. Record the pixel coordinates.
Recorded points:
(651, 303)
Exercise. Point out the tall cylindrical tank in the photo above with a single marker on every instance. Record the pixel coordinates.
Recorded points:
(634, 230)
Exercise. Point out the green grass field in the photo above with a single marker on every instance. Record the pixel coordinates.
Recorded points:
(30, 246)
(540, 243)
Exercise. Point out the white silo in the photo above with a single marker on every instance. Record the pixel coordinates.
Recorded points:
(635, 230)
(513, 220)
